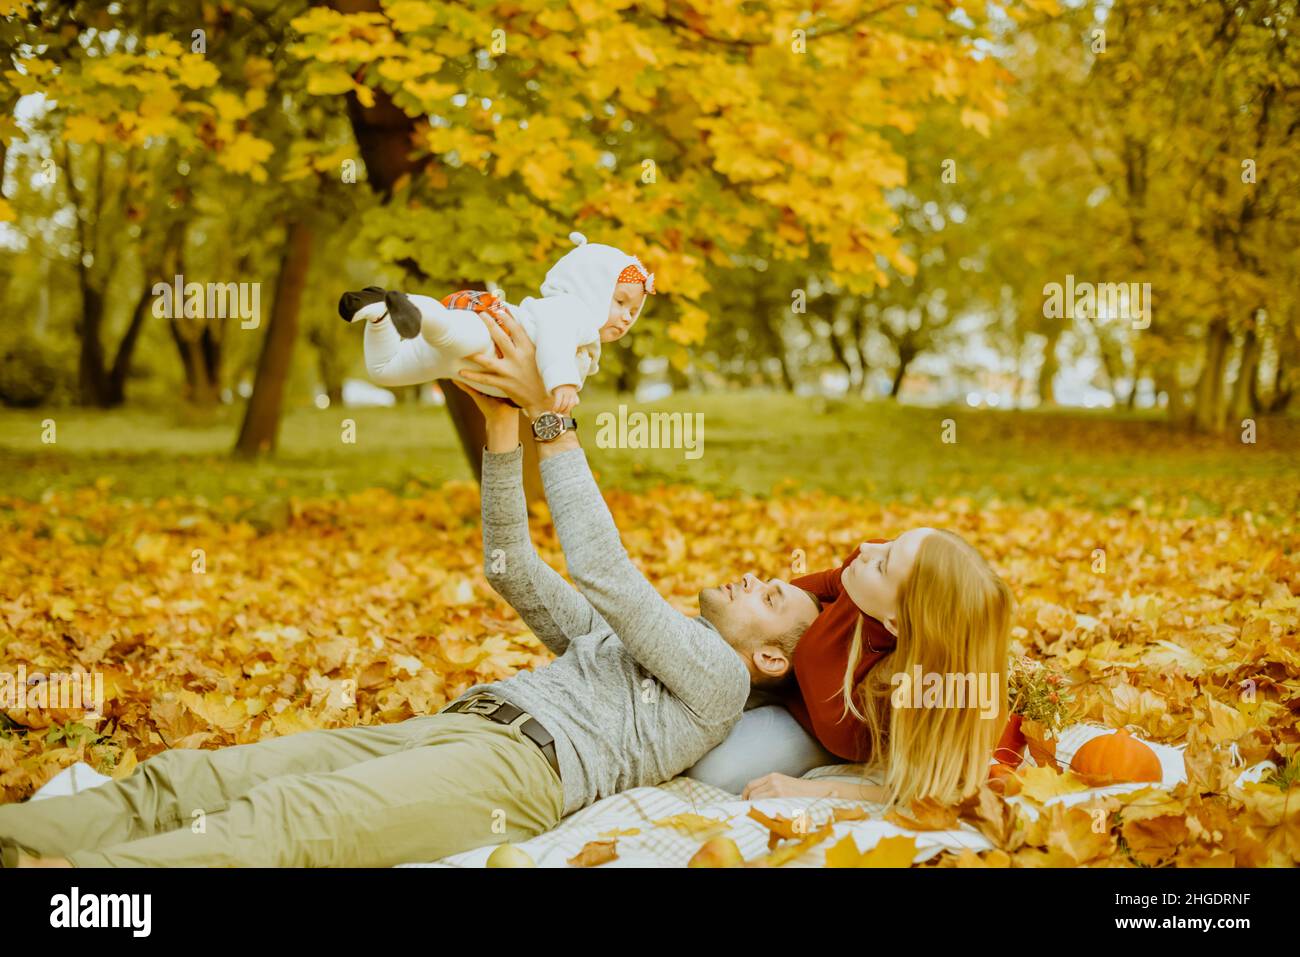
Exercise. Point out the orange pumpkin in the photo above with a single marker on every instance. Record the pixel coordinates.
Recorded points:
(1116, 758)
(999, 774)
(1000, 770)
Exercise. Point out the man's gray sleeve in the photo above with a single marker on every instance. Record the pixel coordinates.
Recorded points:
(689, 656)
(548, 604)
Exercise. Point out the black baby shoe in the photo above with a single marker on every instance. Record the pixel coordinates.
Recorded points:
(404, 313)
(351, 302)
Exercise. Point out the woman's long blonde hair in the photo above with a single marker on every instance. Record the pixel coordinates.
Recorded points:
(954, 617)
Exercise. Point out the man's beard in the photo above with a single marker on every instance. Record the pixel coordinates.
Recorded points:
(712, 607)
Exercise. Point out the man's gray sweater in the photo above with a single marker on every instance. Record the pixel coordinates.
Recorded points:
(639, 692)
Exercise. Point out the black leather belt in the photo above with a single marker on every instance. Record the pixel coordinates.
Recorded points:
(503, 712)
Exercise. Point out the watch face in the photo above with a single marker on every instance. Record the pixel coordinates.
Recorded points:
(547, 426)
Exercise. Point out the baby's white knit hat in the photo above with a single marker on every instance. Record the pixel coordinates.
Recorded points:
(590, 272)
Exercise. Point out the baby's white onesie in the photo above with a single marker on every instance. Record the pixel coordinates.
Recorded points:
(564, 324)
(568, 348)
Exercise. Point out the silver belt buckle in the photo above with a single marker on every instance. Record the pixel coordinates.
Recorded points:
(484, 704)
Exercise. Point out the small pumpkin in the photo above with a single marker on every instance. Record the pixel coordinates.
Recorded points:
(1116, 758)
(998, 775)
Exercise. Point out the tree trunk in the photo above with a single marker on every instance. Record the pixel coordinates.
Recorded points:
(678, 379)
(261, 427)
(842, 357)
(196, 344)
(858, 333)
(211, 349)
(1165, 379)
(470, 427)
(629, 374)
(201, 358)
(330, 380)
(186, 354)
(827, 308)
(1243, 389)
(1110, 364)
(1286, 379)
(787, 383)
(329, 364)
(905, 357)
(6, 109)
(92, 382)
(770, 332)
(1047, 371)
(1130, 403)
(1209, 414)
(383, 134)
(117, 376)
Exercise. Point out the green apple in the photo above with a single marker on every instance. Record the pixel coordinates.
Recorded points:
(507, 855)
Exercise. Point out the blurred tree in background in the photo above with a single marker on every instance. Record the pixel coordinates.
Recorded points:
(830, 188)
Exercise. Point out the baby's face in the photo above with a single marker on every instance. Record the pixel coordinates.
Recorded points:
(623, 310)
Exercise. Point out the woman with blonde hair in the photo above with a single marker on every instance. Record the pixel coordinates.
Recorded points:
(923, 604)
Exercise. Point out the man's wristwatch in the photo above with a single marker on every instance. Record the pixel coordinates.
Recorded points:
(549, 426)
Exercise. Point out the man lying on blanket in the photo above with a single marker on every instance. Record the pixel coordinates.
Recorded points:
(638, 693)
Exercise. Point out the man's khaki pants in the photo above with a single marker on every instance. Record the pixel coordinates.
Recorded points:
(346, 797)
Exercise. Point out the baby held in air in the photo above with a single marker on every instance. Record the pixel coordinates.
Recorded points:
(592, 295)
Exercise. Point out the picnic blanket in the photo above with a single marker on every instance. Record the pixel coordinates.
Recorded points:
(663, 846)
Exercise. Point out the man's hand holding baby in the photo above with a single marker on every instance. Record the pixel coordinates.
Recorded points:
(513, 367)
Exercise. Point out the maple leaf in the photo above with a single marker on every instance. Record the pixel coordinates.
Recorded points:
(694, 824)
(781, 828)
(1040, 783)
(849, 814)
(246, 154)
(894, 851)
(926, 814)
(595, 853)
(993, 858)
(82, 128)
(783, 855)
(1073, 835)
(63, 608)
(1154, 834)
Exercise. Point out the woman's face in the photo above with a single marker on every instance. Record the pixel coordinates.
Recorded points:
(873, 579)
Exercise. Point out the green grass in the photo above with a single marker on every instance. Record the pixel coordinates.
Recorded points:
(752, 442)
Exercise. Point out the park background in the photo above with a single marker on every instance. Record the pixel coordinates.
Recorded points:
(852, 211)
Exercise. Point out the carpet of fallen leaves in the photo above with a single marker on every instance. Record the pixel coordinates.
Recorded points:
(219, 623)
